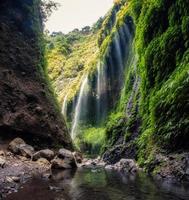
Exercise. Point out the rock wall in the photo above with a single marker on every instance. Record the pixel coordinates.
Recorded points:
(26, 103)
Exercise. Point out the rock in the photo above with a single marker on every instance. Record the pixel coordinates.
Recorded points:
(78, 157)
(56, 189)
(2, 162)
(14, 145)
(46, 153)
(109, 167)
(19, 147)
(127, 165)
(67, 156)
(64, 153)
(2, 153)
(26, 150)
(59, 163)
(46, 176)
(43, 161)
(16, 179)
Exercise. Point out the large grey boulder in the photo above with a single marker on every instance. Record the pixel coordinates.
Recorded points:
(64, 160)
(15, 144)
(59, 163)
(19, 147)
(46, 153)
(26, 150)
(127, 166)
(78, 157)
(2, 162)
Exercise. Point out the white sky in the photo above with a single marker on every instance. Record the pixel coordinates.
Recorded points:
(77, 14)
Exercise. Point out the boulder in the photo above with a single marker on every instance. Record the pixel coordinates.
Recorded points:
(67, 156)
(19, 147)
(15, 144)
(46, 153)
(64, 153)
(64, 160)
(78, 157)
(26, 150)
(2, 153)
(127, 166)
(2, 162)
(43, 161)
(59, 163)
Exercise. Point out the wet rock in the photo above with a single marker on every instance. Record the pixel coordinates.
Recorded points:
(46, 153)
(43, 161)
(2, 162)
(114, 155)
(46, 176)
(59, 163)
(15, 144)
(55, 189)
(19, 147)
(109, 167)
(26, 150)
(2, 153)
(124, 165)
(67, 156)
(127, 165)
(16, 179)
(78, 157)
(9, 179)
(64, 153)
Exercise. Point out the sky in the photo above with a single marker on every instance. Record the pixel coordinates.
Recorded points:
(77, 14)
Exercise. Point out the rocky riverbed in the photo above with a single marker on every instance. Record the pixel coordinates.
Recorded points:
(20, 162)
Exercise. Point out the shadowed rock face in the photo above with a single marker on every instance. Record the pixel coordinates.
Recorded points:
(26, 105)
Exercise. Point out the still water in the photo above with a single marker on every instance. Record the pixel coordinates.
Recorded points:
(87, 184)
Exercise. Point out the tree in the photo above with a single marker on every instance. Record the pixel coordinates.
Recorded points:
(47, 7)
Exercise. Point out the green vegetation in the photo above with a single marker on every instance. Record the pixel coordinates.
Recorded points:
(91, 140)
(161, 44)
(69, 58)
(153, 108)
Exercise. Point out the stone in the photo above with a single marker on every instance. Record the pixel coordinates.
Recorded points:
(67, 156)
(15, 179)
(26, 150)
(43, 161)
(2, 162)
(109, 167)
(59, 163)
(64, 153)
(14, 145)
(9, 179)
(127, 165)
(46, 153)
(2, 153)
(55, 189)
(78, 157)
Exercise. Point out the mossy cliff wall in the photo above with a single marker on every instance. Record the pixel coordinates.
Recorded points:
(153, 109)
(27, 107)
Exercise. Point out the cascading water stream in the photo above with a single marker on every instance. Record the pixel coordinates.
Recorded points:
(99, 93)
(64, 107)
(81, 103)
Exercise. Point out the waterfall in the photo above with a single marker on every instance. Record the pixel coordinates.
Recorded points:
(81, 104)
(134, 88)
(100, 93)
(64, 106)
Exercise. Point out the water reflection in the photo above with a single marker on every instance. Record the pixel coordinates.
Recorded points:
(85, 184)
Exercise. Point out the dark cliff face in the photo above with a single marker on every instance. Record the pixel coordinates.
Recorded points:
(26, 105)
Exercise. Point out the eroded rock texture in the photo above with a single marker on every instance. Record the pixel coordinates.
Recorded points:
(26, 103)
